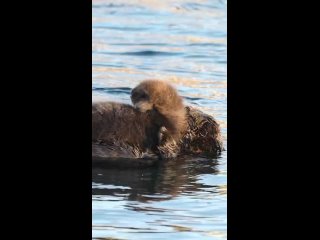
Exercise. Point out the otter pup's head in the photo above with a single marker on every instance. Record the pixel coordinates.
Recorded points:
(166, 108)
(156, 95)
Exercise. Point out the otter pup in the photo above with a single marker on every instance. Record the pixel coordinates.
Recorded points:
(171, 118)
(158, 126)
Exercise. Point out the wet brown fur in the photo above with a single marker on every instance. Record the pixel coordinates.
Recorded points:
(166, 101)
(165, 128)
(122, 131)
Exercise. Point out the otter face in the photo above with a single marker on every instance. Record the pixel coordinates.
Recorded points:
(141, 99)
(158, 95)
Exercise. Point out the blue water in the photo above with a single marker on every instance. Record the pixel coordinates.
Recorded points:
(184, 43)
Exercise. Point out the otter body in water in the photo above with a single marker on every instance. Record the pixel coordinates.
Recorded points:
(121, 131)
(158, 126)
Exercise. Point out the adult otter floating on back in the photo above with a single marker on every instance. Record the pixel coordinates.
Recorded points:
(158, 126)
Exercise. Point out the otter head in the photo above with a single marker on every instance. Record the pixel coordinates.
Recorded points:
(156, 95)
(167, 112)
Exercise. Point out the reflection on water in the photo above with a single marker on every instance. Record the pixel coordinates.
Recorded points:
(169, 198)
(161, 182)
(182, 42)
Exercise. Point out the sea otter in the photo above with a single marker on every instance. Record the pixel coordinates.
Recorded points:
(157, 126)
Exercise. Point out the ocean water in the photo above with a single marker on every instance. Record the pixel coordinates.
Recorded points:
(184, 43)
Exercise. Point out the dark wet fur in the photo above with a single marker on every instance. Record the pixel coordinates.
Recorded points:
(121, 131)
(203, 135)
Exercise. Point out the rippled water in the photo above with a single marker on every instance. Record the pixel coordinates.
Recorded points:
(183, 42)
